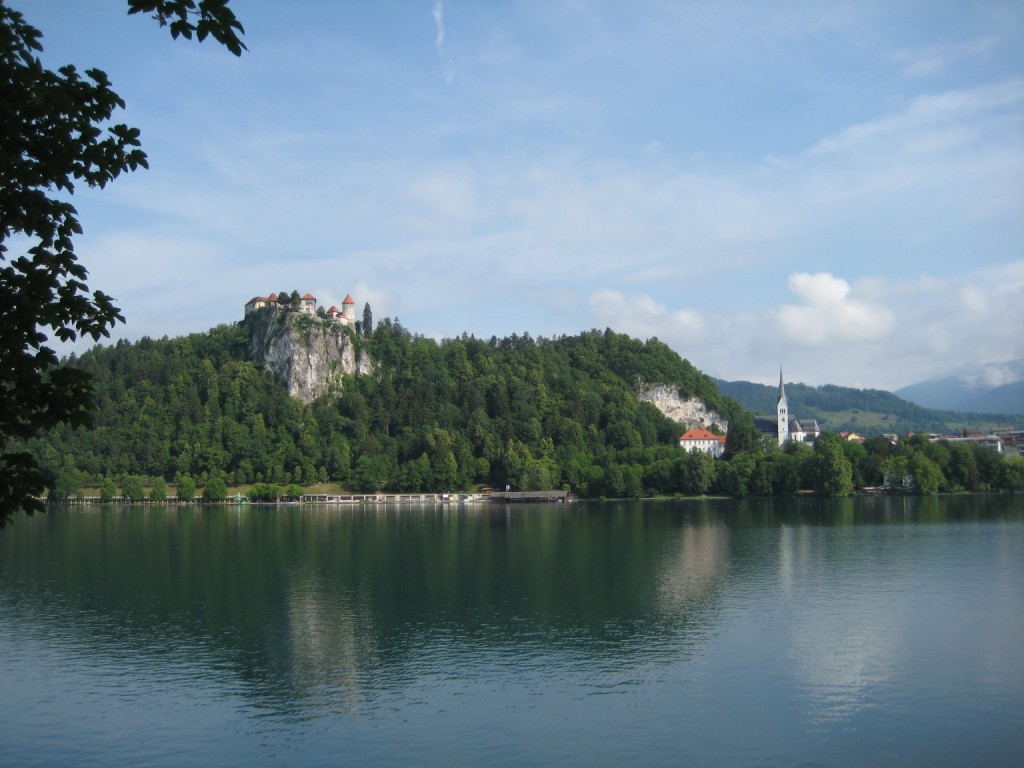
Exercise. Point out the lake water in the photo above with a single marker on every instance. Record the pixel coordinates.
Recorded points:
(876, 631)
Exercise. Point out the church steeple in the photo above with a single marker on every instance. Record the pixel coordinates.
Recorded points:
(782, 411)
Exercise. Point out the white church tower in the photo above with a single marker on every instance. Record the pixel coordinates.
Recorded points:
(782, 412)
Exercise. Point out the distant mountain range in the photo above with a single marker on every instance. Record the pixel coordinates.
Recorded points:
(997, 388)
(873, 411)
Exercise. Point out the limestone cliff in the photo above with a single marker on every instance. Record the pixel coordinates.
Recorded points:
(691, 413)
(309, 355)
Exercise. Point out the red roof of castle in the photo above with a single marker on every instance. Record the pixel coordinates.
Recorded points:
(702, 434)
(333, 310)
(272, 297)
(309, 296)
(348, 300)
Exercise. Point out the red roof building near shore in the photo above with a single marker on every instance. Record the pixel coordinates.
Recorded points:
(703, 440)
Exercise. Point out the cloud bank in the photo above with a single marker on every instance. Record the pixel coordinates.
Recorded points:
(837, 189)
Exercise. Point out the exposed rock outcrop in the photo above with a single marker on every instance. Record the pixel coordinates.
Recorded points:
(691, 413)
(310, 356)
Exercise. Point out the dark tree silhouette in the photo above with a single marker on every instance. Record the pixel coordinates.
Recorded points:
(56, 132)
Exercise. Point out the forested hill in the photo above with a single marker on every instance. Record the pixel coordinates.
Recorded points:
(544, 413)
(867, 411)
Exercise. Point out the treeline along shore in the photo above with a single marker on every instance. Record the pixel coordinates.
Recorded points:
(454, 416)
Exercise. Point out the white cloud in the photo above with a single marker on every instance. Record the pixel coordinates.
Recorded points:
(936, 60)
(828, 313)
(929, 113)
(335, 157)
(998, 374)
(449, 194)
(641, 316)
(877, 332)
(438, 14)
(921, 328)
(931, 65)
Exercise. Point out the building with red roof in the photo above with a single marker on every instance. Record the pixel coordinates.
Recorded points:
(307, 305)
(703, 440)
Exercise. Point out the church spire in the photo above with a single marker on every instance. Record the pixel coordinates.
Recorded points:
(782, 411)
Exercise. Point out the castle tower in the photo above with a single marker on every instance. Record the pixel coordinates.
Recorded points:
(348, 311)
(307, 304)
(782, 411)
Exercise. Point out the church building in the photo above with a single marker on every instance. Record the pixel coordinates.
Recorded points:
(784, 425)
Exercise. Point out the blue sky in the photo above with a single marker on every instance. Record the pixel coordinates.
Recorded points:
(837, 187)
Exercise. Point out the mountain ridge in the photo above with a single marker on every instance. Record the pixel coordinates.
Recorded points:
(868, 411)
(992, 388)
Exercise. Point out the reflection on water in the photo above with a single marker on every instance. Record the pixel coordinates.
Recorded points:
(842, 632)
(689, 575)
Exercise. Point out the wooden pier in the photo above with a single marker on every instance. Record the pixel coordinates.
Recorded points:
(536, 497)
(502, 497)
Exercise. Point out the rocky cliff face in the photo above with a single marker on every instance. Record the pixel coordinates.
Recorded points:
(310, 356)
(691, 413)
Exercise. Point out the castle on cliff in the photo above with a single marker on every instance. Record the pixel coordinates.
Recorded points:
(306, 305)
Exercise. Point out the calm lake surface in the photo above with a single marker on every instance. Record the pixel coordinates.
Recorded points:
(876, 631)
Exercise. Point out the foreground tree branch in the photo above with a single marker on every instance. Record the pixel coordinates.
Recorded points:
(56, 132)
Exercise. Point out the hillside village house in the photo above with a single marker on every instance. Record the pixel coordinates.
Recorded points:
(307, 305)
(784, 426)
(703, 440)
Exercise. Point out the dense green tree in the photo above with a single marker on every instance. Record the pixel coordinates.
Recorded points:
(62, 489)
(530, 413)
(801, 455)
(1011, 474)
(896, 473)
(962, 470)
(786, 468)
(108, 489)
(56, 133)
(267, 492)
(367, 327)
(131, 487)
(158, 489)
(927, 476)
(858, 456)
(186, 488)
(732, 476)
(697, 473)
(831, 471)
(743, 435)
(878, 449)
(762, 479)
(662, 476)
(417, 473)
(938, 452)
(371, 474)
(988, 461)
(215, 489)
